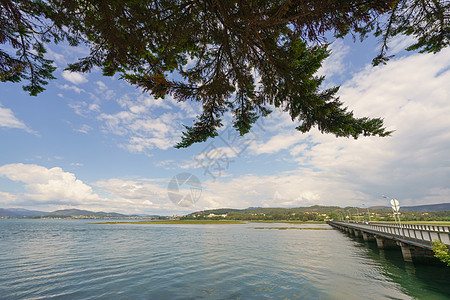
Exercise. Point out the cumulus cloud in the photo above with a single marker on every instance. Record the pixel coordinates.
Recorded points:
(52, 185)
(287, 189)
(412, 95)
(132, 189)
(53, 188)
(140, 195)
(75, 78)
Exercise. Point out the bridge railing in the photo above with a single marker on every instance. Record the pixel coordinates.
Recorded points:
(439, 228)
(424, 234)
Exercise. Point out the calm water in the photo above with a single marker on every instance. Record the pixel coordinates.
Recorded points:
(70, 259)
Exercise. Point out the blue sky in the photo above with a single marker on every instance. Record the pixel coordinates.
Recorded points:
(97, 143)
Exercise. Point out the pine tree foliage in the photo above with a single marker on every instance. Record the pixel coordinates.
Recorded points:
(25, 27)
(231, 56)
(427, 21)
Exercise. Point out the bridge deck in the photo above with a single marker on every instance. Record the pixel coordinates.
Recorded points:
(413, 234)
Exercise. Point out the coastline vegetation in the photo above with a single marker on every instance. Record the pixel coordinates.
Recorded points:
(318, 213)
(211, 222)
(175, 222)
(441, 251)
(298, 228)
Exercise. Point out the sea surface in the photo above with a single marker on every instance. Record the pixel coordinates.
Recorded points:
(71, 259)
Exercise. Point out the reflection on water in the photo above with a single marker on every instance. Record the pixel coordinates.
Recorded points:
(418, 280)
(74, 260)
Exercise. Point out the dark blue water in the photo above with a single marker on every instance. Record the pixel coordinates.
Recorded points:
(70, 259)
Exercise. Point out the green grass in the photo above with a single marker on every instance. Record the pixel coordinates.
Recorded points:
(176, 222)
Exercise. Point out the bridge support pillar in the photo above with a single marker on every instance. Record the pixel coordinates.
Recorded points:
(367, 237)
(411, 253)
(407, 252)
(357, 233)
(384, 243)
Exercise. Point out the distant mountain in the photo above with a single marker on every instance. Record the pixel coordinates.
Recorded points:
(19, 212)
(379, 207)
(424, 208)
(429, 207)
(66, 213)
(82, 213)
(269, 210)
(318, 209)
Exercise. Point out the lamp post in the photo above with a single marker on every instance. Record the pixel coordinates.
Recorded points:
(395, 209)
(357, 212)
(349, 215)
(368, 213)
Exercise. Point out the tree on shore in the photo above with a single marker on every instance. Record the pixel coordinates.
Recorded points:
(232, 56)
(441, 251)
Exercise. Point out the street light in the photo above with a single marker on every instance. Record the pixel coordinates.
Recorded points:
(368, 213)
(395, 209)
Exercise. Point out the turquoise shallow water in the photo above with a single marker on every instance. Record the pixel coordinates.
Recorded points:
(70, 259)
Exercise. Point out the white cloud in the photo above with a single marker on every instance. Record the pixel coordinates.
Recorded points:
(166, 164)
(400, 43)
(75, 78)
(8, 120)
(103, 91)
(94, 107)
(278, 142)
(84, 129)
(83, 108)
(49, 185)
(413, 165)
(132, 189)
(100, 86)
(140, 195)
(334, 64)
(141, 144)
(299, 188)
(56, 57)
(412, 95)
(143, 130)
(7, 199)
(52, 188)
(70, 87)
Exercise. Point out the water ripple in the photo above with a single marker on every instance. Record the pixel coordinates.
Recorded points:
(69, 259)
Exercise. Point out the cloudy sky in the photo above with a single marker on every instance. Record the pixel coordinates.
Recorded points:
(93, 142)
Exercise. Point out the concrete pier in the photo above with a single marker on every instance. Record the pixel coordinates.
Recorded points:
(384, 243)
(367, 236)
